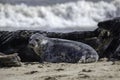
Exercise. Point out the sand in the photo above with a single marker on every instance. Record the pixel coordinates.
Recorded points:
(62, 71)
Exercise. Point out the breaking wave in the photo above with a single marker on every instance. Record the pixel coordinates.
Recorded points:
(78, 15)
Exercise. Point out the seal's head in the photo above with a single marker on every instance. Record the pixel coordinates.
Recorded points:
(37, 42)
(110, 25)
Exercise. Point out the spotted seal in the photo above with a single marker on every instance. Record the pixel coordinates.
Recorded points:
(61, 50)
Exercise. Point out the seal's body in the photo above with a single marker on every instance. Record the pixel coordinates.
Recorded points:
(60, 50)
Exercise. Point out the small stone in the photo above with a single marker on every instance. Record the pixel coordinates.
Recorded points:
(84, 70)
(31, 72)
(50, 78)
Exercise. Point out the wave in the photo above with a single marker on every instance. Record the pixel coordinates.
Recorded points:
(78, 15)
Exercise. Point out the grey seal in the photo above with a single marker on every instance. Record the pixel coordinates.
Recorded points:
(61, 50)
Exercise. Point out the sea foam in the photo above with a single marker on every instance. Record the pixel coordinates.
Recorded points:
(78, 15)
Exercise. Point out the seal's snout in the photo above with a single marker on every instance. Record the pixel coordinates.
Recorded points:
(32, 44)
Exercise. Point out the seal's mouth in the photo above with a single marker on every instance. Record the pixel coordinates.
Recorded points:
(32, 44)
(35, 48)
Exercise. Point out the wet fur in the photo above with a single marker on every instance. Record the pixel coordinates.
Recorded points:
(60, 50)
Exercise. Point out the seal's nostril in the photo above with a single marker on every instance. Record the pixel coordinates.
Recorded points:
(31, 45)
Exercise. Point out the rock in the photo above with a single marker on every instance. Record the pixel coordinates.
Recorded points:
(9, 60)
(31, 72)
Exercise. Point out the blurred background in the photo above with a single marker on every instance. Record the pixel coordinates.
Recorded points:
(56, 15)
(44, 2)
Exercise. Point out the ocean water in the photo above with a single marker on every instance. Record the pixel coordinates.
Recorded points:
(56, 15)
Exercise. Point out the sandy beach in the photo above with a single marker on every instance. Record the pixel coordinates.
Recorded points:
(58, 16)
(62, 71)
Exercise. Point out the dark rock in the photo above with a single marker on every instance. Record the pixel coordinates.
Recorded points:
(50, 78)
(31, 72)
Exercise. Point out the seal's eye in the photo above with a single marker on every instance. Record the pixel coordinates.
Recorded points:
(30, 39)
(37, 40)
